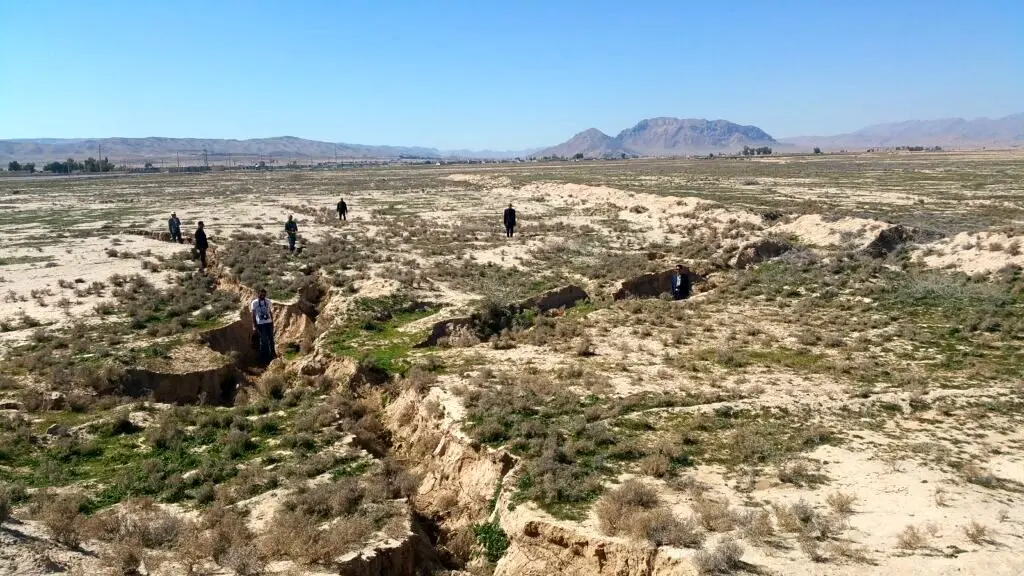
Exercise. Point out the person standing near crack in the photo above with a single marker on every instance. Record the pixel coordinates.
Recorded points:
(263, 325)
(680, 283)
(200, 246)
(510, 221)
(292, 230)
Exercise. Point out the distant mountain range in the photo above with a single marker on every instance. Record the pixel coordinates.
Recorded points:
(652, 137)
(280, 149)
(664, 137)
(946, 132)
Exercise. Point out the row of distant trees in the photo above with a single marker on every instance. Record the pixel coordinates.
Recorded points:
(15, 166)
(66, 167)
(759, 151)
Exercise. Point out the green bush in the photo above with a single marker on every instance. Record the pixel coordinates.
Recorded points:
(492, 539)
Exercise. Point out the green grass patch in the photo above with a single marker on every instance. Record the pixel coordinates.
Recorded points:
(372, 334)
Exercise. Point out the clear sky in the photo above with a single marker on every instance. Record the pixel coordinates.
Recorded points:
(497, 74)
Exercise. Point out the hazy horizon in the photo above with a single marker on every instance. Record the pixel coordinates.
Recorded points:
(497, 77)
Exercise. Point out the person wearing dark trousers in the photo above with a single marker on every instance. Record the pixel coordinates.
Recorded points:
(342, 210)
(263, 325)
(680, 283)
(201, 245)
(174, 226)
(292, 230)
(510, 221)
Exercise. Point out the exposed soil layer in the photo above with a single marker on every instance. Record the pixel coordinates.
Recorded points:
(652, 285)
(191, 374)
(564, 297)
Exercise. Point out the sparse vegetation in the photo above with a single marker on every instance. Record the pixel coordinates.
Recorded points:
(774, 373)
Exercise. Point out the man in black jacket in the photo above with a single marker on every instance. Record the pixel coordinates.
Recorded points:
(680, 284)
(201, 245)
(342, 210)
(510, 221)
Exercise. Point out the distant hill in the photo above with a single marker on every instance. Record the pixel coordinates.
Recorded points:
(945, 132)
(281, 149)
(664, 137)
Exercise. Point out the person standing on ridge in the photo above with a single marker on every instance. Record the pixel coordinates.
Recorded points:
(201, 245)
(510, 221)
(680, 283)
(174, 226)
(342, 210)
(263, 325)
(292, 230)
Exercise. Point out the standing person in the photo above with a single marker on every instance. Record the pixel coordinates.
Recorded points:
(292, 230)
(680, 283)
(201, 245)
(174, 225)
(263, 325)
(510, 221)
(342, 210)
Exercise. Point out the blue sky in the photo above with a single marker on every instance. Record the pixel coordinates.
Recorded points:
(500, 75)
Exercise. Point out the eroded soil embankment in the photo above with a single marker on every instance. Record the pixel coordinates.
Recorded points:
(464, 483)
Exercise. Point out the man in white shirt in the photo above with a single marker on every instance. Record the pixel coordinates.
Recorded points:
(263, 325)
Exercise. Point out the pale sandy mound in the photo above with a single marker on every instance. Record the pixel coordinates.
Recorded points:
(974, 253)
(479, 179)
(816, 231)
(78, 265)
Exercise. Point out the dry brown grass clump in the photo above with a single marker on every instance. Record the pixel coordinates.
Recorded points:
(140, 521)
(977, 533)
(613, 510)
(757, 525)
(841, 503)
(846, 550)
(811, 527)
(715, 515)
(6, 503)
(61, 517)
(912, 538)
(635, 510)
(724, 559)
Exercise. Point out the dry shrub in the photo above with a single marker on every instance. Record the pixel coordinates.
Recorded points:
(911, 539)
(300, 538)
(419, 379)
(585, 347)
(123, 558)
(810, 547)
(757, 525)
(194, 547)
(433, 408)
(139, 521)
(980, 476)
(272, 384)
(661, 527)
(62, 519)
(842, 549)
(461, 337)
(802, 519)
(977, 532)
(229, 541)
(6, 503)
(615, 507)
(714, 515)
(634, 509)
(798, 472)
(657, 465)
(725, 558)
(841, 503)
(459, 544)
